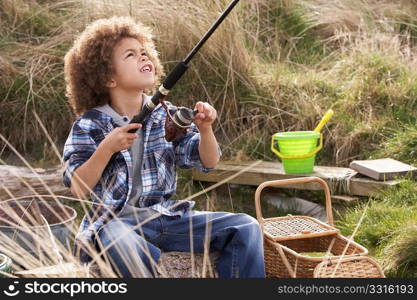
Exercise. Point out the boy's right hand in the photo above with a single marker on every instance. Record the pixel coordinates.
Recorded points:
(119, 138)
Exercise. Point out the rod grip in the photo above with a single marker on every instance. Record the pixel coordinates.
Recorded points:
(175, 75)
(141, 117)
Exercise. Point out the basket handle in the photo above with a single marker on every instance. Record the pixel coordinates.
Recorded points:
(274, 183)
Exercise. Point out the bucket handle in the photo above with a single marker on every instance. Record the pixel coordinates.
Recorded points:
(288, 156)
(292, 181)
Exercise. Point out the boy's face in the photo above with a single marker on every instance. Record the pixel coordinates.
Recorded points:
(133, 70)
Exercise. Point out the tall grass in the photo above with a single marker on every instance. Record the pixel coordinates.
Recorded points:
(399, 256)
(272, 66)
(388, 228)
(402, 145)
(37, 81)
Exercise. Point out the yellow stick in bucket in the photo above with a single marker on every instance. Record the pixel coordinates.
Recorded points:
(323, 121)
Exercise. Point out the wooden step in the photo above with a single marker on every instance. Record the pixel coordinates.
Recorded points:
(21, 181)
(343, 181)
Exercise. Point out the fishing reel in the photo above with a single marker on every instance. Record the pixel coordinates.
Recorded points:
(178, 120)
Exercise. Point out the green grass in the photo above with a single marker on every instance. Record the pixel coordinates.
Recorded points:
(388, 228)
(401, 145)
(399, 256)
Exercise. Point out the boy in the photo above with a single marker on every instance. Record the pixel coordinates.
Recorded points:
(131, 176)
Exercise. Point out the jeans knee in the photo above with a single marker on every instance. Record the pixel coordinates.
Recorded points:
(247, 219)
(249, 223)
(116, 233)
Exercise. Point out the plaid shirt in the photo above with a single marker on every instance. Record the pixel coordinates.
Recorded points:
(113, 189)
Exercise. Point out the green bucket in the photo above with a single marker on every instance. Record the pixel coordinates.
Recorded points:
(297, 149)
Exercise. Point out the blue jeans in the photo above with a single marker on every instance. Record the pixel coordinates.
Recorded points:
(133, 252)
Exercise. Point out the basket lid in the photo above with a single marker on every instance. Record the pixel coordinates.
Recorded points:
(296, 227)
(352, 267)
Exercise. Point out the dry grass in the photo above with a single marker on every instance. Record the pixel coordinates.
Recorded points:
(36, 57)
(272, 66)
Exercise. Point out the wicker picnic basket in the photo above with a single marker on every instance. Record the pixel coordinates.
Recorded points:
(352, 267)
(287, 239)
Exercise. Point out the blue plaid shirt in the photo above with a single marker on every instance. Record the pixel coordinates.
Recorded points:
(160, 159)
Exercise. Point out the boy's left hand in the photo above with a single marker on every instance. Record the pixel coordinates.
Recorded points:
(206, 116)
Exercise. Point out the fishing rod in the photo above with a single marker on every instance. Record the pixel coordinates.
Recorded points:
(183, 117)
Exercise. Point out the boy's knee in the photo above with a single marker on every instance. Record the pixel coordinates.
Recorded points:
(115, 233)
(247, 220)
(248, 224)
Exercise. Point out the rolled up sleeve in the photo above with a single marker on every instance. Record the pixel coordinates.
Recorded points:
(186, 151)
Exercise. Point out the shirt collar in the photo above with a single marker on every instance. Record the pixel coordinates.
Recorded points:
(117, 118)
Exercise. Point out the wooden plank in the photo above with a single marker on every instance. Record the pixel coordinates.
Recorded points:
(368, 187)
(20, 181)
(340, 180)
(344, 200)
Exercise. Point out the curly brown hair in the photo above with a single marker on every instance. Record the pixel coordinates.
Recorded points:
(88, 64)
